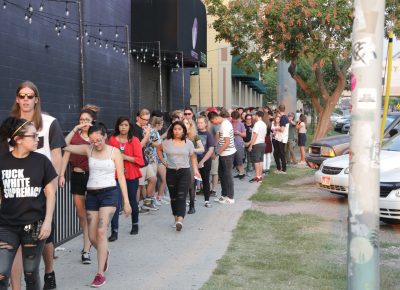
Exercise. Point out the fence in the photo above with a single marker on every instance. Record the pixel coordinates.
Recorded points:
(65, 218)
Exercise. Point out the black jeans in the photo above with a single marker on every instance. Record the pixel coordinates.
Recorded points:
(279, 155)
(178, 182)
(205, 176)
(225, 165)
(11, 237)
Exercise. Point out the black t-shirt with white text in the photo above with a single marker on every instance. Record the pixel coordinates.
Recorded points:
(138, 133)
(22, 184)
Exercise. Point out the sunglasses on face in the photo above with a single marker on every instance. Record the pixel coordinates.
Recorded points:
(23, 96)
(34, 136)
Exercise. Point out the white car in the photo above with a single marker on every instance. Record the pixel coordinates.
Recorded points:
(333, 176)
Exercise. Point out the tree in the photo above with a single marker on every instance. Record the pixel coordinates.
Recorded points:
(316, 33)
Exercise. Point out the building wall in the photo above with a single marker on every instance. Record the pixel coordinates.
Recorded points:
(35, 52)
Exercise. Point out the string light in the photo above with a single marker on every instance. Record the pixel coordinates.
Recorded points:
(116, 32)
(95, 42)
(152, 55)
(100, 32)
(88, 41)
(64, 26)
(30, 19)
(176, 56)
(86, 33)
(77, 36)
(30, 8)
(59, 32)
(66, 9)
(4, 5)
(100, 45)
(26, 16)
(164, 57)
(41, 7)
(106, 45)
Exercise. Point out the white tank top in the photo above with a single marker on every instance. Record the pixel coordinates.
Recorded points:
(101, 172)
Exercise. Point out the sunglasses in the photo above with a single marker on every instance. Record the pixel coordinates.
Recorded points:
(34, 136)
(23, 96)
(96, 141)
(187, 114)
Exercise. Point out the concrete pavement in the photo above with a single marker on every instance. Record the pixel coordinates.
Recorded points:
(159, 257)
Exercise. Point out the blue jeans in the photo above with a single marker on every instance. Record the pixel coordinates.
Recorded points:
(225, 175)
(32, 249)
(132, 185)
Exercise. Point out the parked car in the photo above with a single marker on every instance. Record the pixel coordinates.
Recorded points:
(333, 146)
(341, 122)
(346, 128)
(335, 117)
(333, 176)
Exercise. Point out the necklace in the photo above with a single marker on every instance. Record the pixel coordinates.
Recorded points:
(122, 144)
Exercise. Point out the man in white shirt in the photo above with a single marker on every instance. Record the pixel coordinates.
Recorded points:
(225, 150)
(257, 146)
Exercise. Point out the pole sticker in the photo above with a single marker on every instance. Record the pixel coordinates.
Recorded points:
(366, 98)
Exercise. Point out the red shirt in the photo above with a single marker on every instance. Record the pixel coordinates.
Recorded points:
(132, 149)
(79, 161)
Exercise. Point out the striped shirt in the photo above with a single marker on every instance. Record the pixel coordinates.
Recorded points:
(226, 130)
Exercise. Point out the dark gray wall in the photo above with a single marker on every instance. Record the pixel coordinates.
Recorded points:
(35, 52)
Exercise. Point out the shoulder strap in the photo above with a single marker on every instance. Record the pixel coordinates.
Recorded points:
(91, 151)
(112, 150)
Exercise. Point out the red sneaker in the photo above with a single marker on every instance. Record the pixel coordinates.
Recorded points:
(99, 280)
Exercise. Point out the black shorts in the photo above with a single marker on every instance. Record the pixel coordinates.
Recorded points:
(79, 181)
(302, 137)
(95, 199)
(257, 153)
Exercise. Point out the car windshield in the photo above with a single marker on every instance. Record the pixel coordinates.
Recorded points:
(389, 120)
(393, 144)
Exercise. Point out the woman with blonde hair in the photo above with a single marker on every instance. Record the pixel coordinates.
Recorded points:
(198, 148)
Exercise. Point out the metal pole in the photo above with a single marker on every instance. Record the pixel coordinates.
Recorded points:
(81, 54)
(129, 71)
(366, 84)
(388, 83)
(212, 87)
(199, 86)
(160, 75)
(183, 81)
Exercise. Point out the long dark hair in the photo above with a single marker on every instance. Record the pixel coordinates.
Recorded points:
(13, 127)
(118, 122)
(170, 134)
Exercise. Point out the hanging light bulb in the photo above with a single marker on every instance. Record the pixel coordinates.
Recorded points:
(66, 9)
(86, 33)
(133, 50)
(137, 57)
(123, 50)
(30, 19)
(4, 5)
(116, 32)
(176, 56)
(177, 64)
(64, 26)
(164, 58)
(106, 45)
(30, 8)
(100, 31)
(141, 49)
(123, 53)
(154, 65)
(41, 7)
(77, 36)
(116, 49)
(59, 32)
(152, 55)
(100, 45)
(145, 49)
(26, 16)
(144, 60)
(56, 27)
(95, 42)
(88, 41)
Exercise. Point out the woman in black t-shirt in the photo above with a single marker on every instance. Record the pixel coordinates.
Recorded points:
(27, 200)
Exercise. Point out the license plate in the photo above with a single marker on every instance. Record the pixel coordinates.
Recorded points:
(326, 180)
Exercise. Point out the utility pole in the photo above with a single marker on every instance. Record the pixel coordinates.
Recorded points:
(160, 75)
(199, 86)
(183, 81)
(366, 86)
(129, 55)
(81, 54)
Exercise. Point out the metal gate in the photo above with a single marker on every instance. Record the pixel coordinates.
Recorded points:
(65, 218)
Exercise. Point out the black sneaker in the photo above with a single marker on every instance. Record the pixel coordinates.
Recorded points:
(86, 258)
(113, 237)
(135, 229)
(49, 281)
(191, 210)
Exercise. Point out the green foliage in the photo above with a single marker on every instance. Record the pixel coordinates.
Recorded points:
(271, 81)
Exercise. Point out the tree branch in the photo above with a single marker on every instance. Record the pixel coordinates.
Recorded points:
(304, 86)
(320, 81)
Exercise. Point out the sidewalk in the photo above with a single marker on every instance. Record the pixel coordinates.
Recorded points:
(159, 257)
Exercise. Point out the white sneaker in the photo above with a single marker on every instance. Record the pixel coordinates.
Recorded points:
(207, 204)
(155, 201)
(219, 199)
(227, 200)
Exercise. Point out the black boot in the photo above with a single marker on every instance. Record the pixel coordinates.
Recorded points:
(113, 237)
(49, 281)
(135, 229)
(191, 209)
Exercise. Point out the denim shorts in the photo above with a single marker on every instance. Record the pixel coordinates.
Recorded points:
(78, 182)
(257, 153)
(95, 200)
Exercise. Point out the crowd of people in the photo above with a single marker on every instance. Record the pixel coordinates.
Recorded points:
(135, 168)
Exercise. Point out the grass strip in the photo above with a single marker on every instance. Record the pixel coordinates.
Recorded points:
(280, 252)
